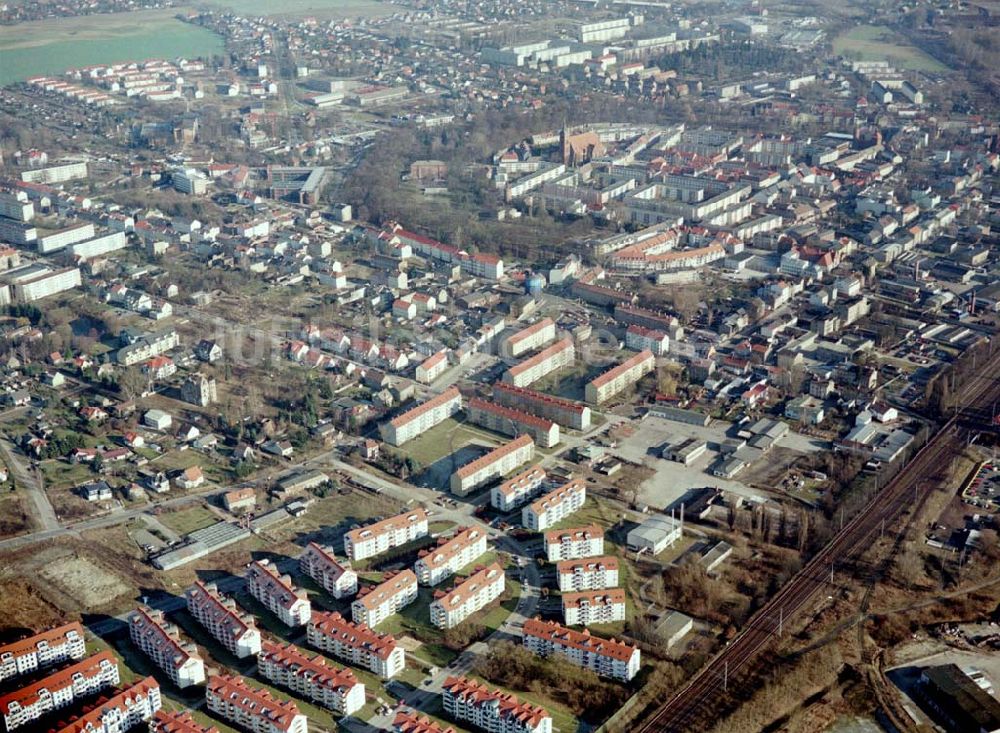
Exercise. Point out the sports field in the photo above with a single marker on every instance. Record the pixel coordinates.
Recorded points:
(878, 43)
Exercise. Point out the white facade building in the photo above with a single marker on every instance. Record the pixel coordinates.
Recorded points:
(607, 657)
(498, 462)
(574, 543)
(333, 576)
(334, 689)
(357, 644)
(473, 593)
(136, 704)
(234, 630)
(374, 604)
(266, 584)
(469, 701)
(42, 650)
(252, 708)
(160, 641)
(421, 418)
(554, 506)
(588, 607)
(450, 556)
(515, 491)
(592, 573)
(373, 539)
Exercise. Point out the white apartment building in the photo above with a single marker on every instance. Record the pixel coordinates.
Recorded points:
(592, 573)
(374, 604)
(16, 206)
(588, 607)
(469, 701)
(33, 282)
(147, 346)
(528, 339)
(560, 354)
(554, 506)
(470, 595)
(498, 462)
(373, 539)
(333, 576)
(640, 338)
(517, 490)
(508, 421)
(432, 367)
(44, 649)
(619, 378)
(266, 584)
(356, 644)
(335, 689)
(252, 708)
(55, 173)
(574, 543)
(160, 641)
(55, 241)
(607, 657)
(230, 627)
(567, 413)
(136, 704)
(421, 418)
(451, 555)
(59, 690)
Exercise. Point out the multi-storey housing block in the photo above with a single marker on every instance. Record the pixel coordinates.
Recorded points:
(252, 708)
(574, 543)
(135, 704)
(554, 506)
(607, 657)
(230, 627)
(470, 595)
(288, 666)
(517, 490)
(432, 367)
(640, 338)
(592, 573)
(509, 421)
(409, 721)
(58, 690)
(276, 592)
(160, 641)
(335, 577)
(588, 607)
(180, 721)
(372, 539)
(450, 556)
(472, 702)
(619, 378)
(565, 412)
(498, 462)
(558, 355)
(421, 418)
(42, 650)
(374, 604)
(528, 339)
(356, 643)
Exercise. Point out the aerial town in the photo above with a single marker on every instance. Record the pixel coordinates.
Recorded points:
(517, 366)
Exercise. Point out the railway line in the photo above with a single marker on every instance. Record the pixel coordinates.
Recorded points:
(693, 703)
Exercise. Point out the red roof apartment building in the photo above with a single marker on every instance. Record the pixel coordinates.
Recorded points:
(469, 701)
(160, 641)
(356, 643)
(510, 421)
(135, 704)
(234, 630)
(42, 650)
(252, 708)
(266, 584)
(498, 462)
(334, 689)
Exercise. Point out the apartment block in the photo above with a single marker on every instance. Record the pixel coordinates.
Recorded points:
(515, 491)
(554, 506)
(356, 643)
(432, 367)
(470, 595)
(333, 576)
(276, 592)
(619, 378)
(607, 657)
(421, 418)
(312, 678)
(558, 355)
(42, 650)
(592, 573)
(451, 555)
(253, 708)
(566, 413)
(588, 607)
(528, 339)
(161, 641)
(373, 539)
(376, 603)
(136, 704)
(59, 690)
(178, 722)
(508, 421)
(574, 543)
(33, 282)
(472, 702)
(410, 721)
(640, 338)
(498, 462)
(230, 627)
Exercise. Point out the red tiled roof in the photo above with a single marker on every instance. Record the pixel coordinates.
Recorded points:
(495, 455)
(334, 625)
(51, 637)
(178, 722)
(255, 700)
(605, 597)
(374, 596)
(630, 363)
(582, 640)
(468, 586)
(532, 394)
(441, 399)
(407, 721)
(448, 547)
(510, 413)
(587, 565)
(558, 495)
(388, 525)
(319, 672)
(27, 696)
(531, 330)
(557, 348)
(92, 719)
(575, 533)
(510, 707)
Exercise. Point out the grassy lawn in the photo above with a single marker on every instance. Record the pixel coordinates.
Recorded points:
(876, 43)
(63, 475)
(594, 511)
(415, 620)
(184, 521)
(443, 439)
(328, 519)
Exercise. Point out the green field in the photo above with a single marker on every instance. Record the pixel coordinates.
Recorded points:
(878, 43)
(317, 8)
(184, 521)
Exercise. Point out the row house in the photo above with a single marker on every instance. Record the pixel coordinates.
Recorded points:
(558, 355)
(59, 690)
(252, 708)
(606, 657)
(230, 627)
(42, 650)
(566, 413)
(588, 607)
(498, 462)
(333, 576)
(335, 689)
(421, 418)
(276, 592)
(509, 421)
(138, 703)
(374, 604)
(470, 595)
(592, 573)
(356, 643)
(554, 506)
(573, 543)
(451, 555)
(160, 641)
(620, 377)
(529, 339)
(180, 721)
(469, 701)
(515, 491)
(373, 539)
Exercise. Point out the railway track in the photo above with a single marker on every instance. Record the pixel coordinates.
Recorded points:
(695, 701)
